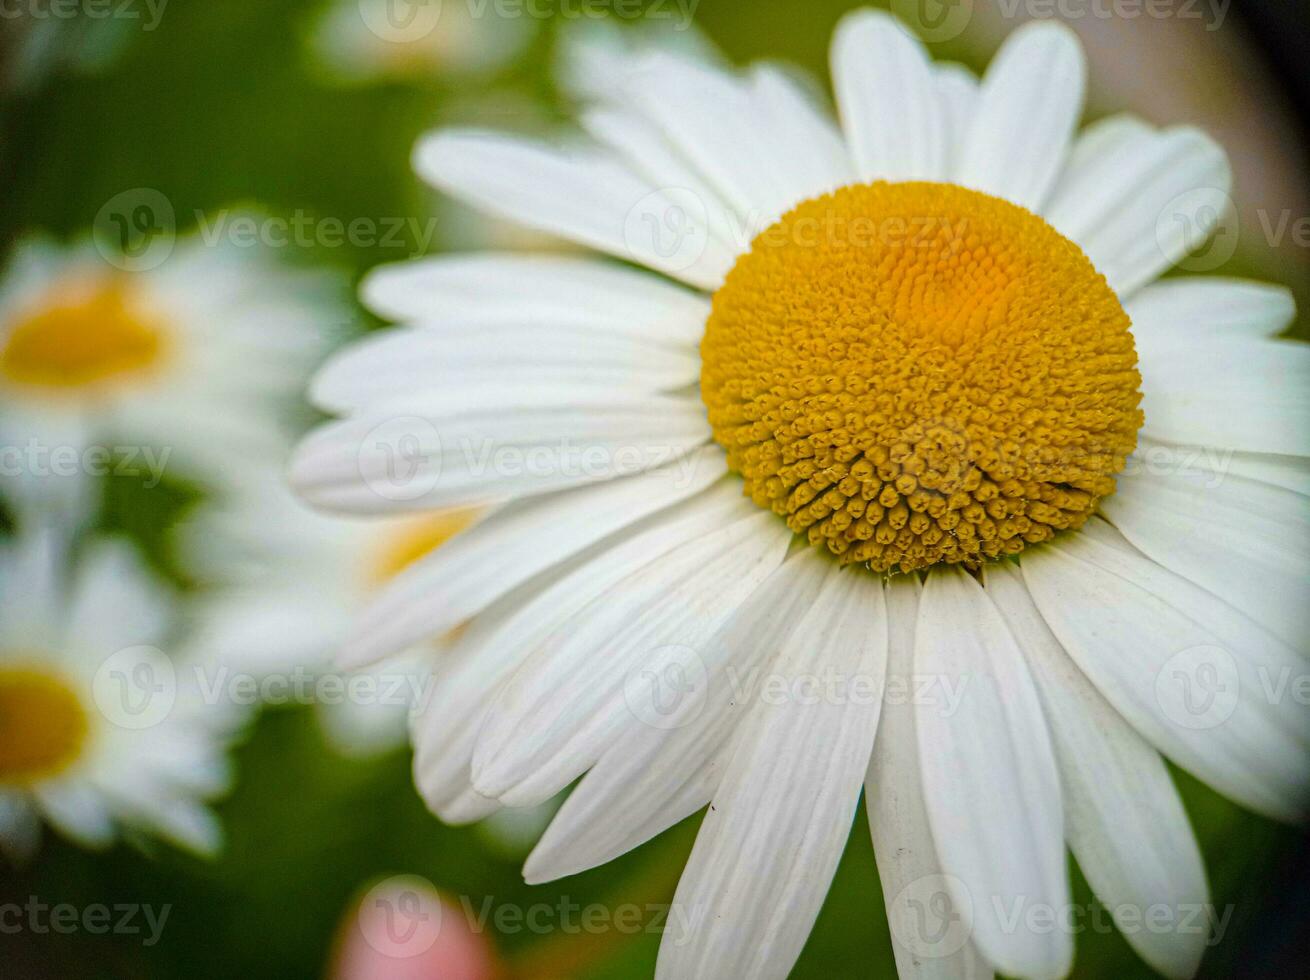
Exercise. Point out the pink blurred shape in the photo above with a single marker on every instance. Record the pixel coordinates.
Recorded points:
(404, 929)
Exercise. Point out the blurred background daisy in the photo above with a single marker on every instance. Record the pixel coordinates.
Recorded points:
(193, 193)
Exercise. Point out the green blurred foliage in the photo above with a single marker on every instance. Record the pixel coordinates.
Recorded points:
(217, 108)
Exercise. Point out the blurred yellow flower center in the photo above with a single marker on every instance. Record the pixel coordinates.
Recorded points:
(86, 333)
(409, 540)
(43, 725)
(917, 373)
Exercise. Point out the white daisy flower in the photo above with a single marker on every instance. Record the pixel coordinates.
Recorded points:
(928, 363)
(288, 581)
(366, 40)
(195, 358)
(99, 735)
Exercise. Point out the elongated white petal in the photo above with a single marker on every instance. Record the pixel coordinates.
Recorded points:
(1123, 818)
(1204, 684)
(1142, 201)
(583, 195)
(604, 659)
(474, 291)
(498, 641)
(805, 142)
(770, 843)
(654, 775)
(116, 602)
(1188, 311)
(31, 585)
(1092, 145)
(468, 807)
(1211, 465)
(595, 56)
(424, 455)
(714, 122)
(1249, 395)
(468, 573)
(957, 92)
(616, 79)
(77, 811)
(1028, 107)
(930, 937)
(990, 781)
(1290, 472)
(644, 146)
(1247, 542)
(887, 95)
(568, 361)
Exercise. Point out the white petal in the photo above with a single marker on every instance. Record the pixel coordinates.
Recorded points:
(714, 121)
(469, 807)
(990, 781)
(595, 55)
(773, 836)
(116, 601)
(1199, 680)
(887, 95)
(32, 569)
(1247, 542)
(1289, 472)
(1124, 820)
(425, 455)
(957, 92)
(655, 775)
(1249, 395)
(1143, 202)
(645, 148)
(499, 640)
(913, 888)
(1028, 106)
(1187, 311)
(1214, 465)
(582, 195)
(474, 291)
(570, 362)
(805, 142)
(599, 662)
(1093, 144)
(468, 573)
(76, 810)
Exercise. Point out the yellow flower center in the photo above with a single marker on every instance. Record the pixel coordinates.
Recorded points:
(411, 539)
(43, 725)
(917, 373)
(86, 333)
